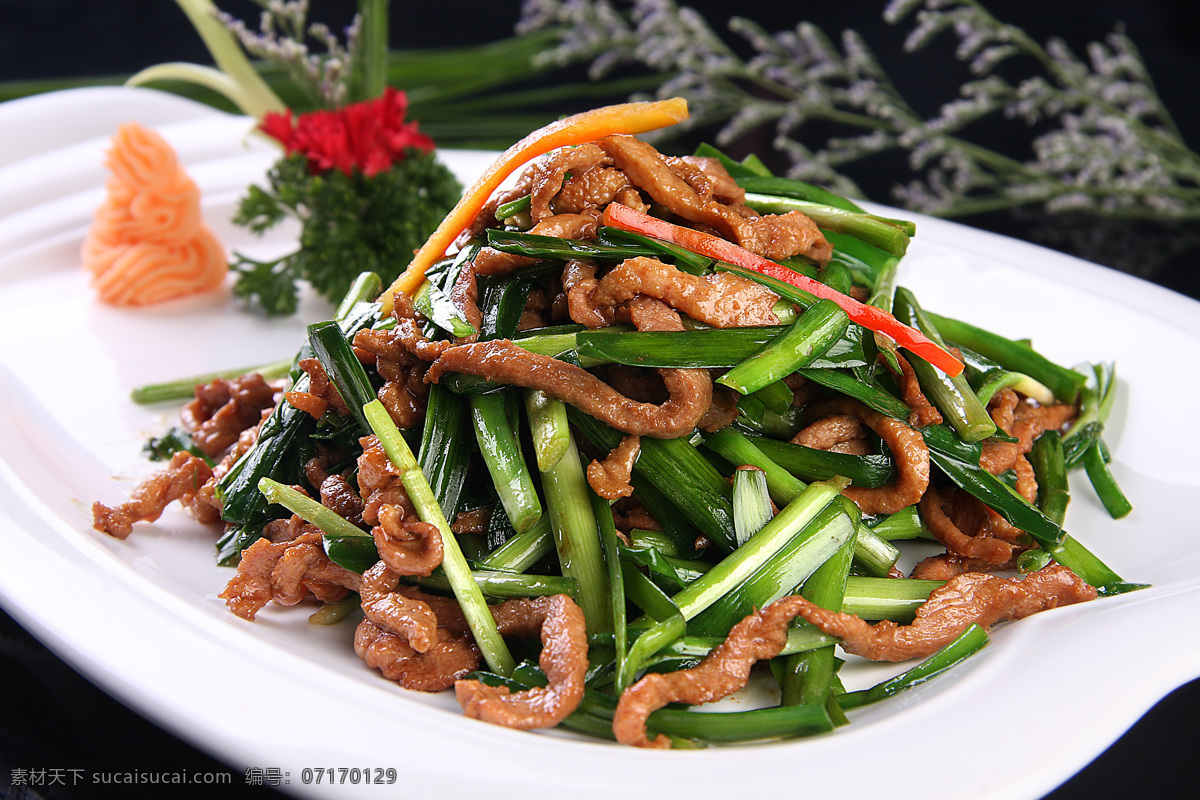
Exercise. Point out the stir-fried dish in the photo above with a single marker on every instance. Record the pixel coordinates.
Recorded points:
(651, 423)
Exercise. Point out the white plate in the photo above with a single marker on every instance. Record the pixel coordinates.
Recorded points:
(142, 618)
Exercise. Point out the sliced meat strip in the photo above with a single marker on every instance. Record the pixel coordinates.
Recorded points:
(564, 661)
(464, 294)
(450, 658)
(725, 670)
(594, 189)
(287, 529)
(945, 566)
(474, 522)
(223, 409)
(502, 361)
(489, 261)
(689, 390)
(343, 499)
(773, 236)
(549, 174)
(708, 177)
(312, 404)
(780, 236)
(1027, 487)
(182, 479)
(205, 505)
(721, 299)
(969, 529)
(970, 598)
(396, 609)
(407, 546)
(610, 478)
(961, 523)
(405, 343)
(320, 385)
(722, 411)
(1024, 420)
(836, 433)
(909, 453)
(923, 412)
(580, 283)
(321, 395)
(287, 573)
(304, 570)
(379, 482)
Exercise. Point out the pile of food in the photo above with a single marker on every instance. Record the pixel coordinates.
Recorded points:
(630, 425)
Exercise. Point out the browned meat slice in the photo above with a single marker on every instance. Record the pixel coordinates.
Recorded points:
(452, 656)
(629, 514)
(970, 529)
(610, 478)
(721, 299)
(780, 236)
(321, 394)
(962, 524)
(775, 237)
(502, 361)
(564, 661)
(400, 357)
(724, 671)
(404, 344)
(580, 282)
(489, 261)
(287, 573)
(923, 412)
(403, 394)
(1024, 420)
(945, 566)
(343, 499)
(408, 547)
(379, 482)
(205, 505)
(550, 172)
(474, 522)
(908, 450)
(287, 529)
(708, 177)
(722, 411)
(689, 390)
(836, 433)
(464, 294)
(399, 610)
(310, 403)
(972, 597)
(182, 478)
(594, 189)
(223, 409)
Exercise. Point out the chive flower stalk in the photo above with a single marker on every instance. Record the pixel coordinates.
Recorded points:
(505, 460)
(761, 547)
(458, 573)
(577, 537)
(813, 332)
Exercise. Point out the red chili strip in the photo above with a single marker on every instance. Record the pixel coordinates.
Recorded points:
(875, 319)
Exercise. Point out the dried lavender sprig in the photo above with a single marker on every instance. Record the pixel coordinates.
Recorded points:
(282, 39)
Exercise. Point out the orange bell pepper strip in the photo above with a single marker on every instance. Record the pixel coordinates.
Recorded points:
(627, 118)
(870, 317)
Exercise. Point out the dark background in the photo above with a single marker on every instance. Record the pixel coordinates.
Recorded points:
(51, 717)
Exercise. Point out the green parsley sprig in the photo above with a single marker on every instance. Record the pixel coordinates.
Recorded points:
(351, 224)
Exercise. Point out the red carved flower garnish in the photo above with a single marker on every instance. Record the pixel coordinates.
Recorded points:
(368, 136)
